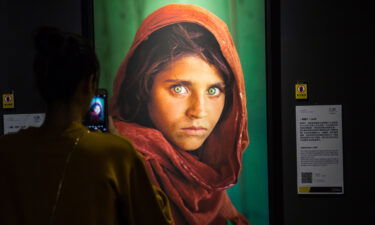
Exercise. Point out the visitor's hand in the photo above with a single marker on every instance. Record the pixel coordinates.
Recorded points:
(111, 127)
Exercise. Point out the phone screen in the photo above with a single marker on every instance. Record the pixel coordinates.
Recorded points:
(97, 115)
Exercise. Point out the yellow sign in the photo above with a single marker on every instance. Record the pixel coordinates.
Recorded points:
(304, 189)
(8, 101)
(301, 91)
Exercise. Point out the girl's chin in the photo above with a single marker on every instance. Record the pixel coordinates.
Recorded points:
(188, 147)
(187, 142)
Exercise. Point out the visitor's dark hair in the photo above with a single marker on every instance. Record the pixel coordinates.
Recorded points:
(62, 60)
(153, 55)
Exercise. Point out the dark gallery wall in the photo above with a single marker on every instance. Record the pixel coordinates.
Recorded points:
(326, 44)
(18, 20)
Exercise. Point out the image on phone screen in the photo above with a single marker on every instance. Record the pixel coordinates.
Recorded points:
(96, 117)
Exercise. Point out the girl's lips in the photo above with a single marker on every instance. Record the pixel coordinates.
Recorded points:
(194, 131)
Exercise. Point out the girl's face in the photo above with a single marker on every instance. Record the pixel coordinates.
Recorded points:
(97, 109)
(186, 101)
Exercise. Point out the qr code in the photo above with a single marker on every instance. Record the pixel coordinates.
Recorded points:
(306, 178)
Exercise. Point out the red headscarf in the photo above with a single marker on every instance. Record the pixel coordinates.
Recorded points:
(195, 187)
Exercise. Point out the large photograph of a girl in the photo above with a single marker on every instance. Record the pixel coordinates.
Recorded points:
(179, 96)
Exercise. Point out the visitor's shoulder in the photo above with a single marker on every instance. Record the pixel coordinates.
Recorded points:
(111, 139)
(109, 143)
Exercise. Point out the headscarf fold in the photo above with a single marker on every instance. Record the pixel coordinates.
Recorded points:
(195, 185)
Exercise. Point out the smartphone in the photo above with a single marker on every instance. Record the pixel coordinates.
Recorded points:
(97, 115)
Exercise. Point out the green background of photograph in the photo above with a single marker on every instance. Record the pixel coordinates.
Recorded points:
(115, 24)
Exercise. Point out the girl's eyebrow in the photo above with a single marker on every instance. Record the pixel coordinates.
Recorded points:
(183, 82)
(219, 84)
(188, 83)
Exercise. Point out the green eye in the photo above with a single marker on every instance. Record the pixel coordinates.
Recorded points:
(214, 91)
(179, 89)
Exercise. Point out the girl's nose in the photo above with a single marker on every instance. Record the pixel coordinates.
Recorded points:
(197, 107)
